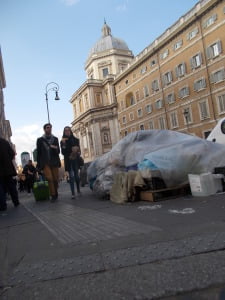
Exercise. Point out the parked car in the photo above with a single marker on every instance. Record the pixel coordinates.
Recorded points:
(217, 135)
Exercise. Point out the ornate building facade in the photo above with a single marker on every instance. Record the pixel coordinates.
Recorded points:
(5, 128)
(178, 81)
(94, 103)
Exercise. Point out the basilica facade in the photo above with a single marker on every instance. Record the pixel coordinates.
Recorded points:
(94, 103)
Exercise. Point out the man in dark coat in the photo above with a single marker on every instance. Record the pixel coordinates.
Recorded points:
(48, 159)
(7, 171)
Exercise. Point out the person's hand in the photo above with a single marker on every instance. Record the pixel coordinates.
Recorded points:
(64, 140)
(54, 147)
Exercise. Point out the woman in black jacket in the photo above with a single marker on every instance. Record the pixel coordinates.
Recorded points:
(70, 147)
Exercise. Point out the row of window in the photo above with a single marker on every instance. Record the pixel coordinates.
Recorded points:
(203, 112)
(193, 33)
(173, 119)
(196, 61)
(213, 51)
(199, 84)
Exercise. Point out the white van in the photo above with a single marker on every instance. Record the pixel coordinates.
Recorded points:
(218, 133)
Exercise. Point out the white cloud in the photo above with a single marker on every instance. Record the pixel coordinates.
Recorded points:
(25, 139)
(70, 2)
(122, 7)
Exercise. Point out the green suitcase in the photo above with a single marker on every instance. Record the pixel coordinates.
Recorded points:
(41, 190)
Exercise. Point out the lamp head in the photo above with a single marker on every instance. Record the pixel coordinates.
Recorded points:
(56, 95)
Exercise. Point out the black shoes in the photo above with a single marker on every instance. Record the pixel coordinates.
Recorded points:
(54, 198)
(3, 208)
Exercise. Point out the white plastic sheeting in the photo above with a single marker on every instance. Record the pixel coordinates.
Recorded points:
(175, 154)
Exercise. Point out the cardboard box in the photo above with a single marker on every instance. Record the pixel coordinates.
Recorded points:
(146, 196)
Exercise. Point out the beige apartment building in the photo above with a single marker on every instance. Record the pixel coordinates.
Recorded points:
(178, 81)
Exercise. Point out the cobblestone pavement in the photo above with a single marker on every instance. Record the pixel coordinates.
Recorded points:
(70, 223)
(93, 249)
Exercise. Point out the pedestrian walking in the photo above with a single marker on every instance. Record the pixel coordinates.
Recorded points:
(7, 174)
(48, 159)
(70, 148)
(30, 173)
(22, 182)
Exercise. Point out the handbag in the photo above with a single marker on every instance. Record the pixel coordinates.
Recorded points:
(81, 161)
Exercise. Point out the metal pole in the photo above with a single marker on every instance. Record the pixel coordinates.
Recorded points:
(54, 88)
(46, 98)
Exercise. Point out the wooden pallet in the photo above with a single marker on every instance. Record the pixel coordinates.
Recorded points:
(163, 194)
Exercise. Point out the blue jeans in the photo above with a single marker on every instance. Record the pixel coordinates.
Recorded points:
(74, 176)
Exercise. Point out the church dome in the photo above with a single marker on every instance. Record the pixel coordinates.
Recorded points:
(107, 42)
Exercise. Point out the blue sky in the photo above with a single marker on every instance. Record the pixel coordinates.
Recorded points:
(49, 40)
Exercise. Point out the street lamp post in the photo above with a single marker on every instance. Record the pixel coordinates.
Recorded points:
(51, 86)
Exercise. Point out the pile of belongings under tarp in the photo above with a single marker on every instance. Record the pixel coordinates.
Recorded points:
(167, 155)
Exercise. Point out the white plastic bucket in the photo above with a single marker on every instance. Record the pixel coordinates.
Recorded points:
(205, 184)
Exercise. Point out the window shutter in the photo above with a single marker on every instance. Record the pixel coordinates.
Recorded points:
(184, 67)
(180, 93)
(177, 71)
(153, 85)
(223, 74)
(204, 24)
(203, 83)
(208, 52)
(192, 63)
(196, 85)
(214, 17)
(219, 45)
(212, 78)
(188, 91)
(200, 57)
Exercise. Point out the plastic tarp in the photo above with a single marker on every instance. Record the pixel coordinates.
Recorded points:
(175, 154)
